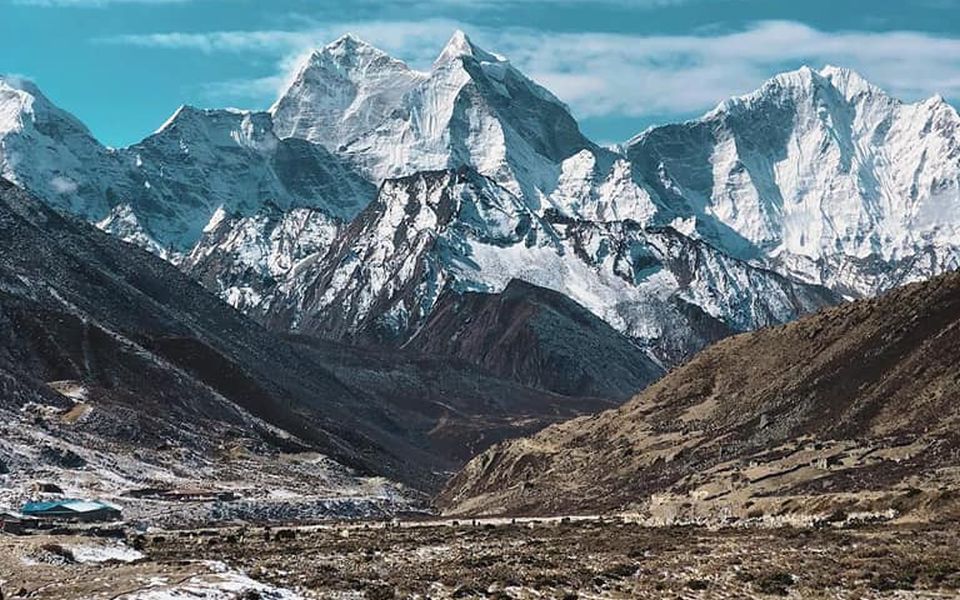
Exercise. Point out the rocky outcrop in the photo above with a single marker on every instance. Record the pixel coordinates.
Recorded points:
(537, 337)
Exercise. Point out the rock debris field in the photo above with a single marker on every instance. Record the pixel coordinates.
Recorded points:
(530, 559)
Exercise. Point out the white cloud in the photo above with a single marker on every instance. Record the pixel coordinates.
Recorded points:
(217, 41)
(606, 74)
(246, 90)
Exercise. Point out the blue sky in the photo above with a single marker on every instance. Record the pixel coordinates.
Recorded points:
(123, 66)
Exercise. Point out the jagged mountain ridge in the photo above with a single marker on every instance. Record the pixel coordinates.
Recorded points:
(472, 109)
(853, 406)
(458, 231)
(202, 161)
(161, 192)
(655, 184)
(743, 181)
(819, 175)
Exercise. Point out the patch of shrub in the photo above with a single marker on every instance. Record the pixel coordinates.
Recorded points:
(775, 584)
(888, 582)
(620, 571)
(698, 584)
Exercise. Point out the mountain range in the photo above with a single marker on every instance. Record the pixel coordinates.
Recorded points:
(448, 251)
(815, 188)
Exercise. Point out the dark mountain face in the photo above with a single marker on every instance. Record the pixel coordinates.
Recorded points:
(859, 399)
(176, 365)
(537, 337)
(444, 405)
(81, 305)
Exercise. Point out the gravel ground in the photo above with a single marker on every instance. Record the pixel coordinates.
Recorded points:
(579, 559)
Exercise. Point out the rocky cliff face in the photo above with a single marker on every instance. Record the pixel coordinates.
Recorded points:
(458, 231)
(844, 408)
(538, 337)
(244, 259)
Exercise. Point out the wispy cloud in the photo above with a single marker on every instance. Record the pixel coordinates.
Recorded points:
(218, 41)
(606, 74)
(639, 75)
(244, 91)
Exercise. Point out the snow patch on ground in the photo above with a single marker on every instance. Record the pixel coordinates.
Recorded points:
(221, 584)
(104, 553)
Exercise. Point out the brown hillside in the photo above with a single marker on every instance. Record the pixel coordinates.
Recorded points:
(854, 403)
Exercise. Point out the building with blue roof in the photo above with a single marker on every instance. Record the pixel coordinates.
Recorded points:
(72, 510)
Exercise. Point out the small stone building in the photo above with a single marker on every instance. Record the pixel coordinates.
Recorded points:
(84, 511)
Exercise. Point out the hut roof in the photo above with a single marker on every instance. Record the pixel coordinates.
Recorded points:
(77, 506)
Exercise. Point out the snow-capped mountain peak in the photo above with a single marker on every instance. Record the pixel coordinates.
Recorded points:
(461, 46)
(818, 176)
(352, 57)
(172, 119)
(226, 127)
(47, 150)
(341, 91)
(15, 102)
(161, 192)
(822, 175)
(850, 82)
(830, 84)
(22, 103)
(472, 109)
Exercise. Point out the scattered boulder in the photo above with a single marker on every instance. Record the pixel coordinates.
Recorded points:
(44, 487)
(62, 457)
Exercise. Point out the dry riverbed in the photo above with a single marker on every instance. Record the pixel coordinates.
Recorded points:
(579, 559)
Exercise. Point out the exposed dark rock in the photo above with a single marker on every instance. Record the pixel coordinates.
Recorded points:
(537, 337)
(62, 457)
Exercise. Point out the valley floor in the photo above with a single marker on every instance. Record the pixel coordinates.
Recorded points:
(529, 559)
